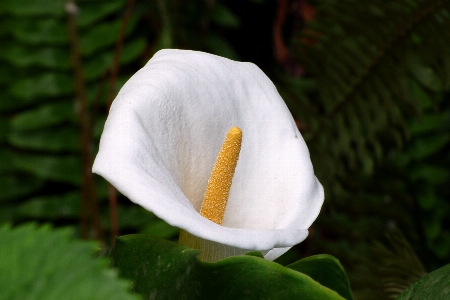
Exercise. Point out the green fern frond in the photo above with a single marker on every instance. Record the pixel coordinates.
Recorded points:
(368, 57)
(399, 266)
(45, 263)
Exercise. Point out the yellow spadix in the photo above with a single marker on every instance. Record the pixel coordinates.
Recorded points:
(219, 184)
(215, 199)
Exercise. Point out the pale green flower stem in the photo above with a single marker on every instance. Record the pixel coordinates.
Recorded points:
(211, 251)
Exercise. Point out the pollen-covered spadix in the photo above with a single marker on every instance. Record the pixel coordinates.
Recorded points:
(163, 134)
(219, 184)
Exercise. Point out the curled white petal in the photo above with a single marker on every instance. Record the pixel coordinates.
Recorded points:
(163, 134)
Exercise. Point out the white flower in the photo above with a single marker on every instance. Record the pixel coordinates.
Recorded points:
(163, 134)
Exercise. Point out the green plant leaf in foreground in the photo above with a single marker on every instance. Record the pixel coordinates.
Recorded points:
(326, 270)
(161, 269)
(433, 286)
(44, 263)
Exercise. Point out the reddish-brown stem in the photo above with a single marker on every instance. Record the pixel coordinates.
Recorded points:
(113, 216)
(112, 193)
(118, 51)
(89, 205)
(280, 49)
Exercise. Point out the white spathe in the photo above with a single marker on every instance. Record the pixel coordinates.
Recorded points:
(163, 134)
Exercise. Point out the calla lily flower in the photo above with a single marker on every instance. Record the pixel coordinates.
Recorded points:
(162, 137)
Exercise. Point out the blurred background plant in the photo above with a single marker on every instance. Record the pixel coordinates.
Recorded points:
(367, 83)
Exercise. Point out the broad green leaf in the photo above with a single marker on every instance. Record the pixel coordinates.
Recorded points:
(64, 168)
(13, 187)
(57, 139)
(44, 116)
(51, 207)
(92, 12)
(45, 85)
(41, 263)
(256, 254)
(326, 270)
(159, 268)
(433, 286)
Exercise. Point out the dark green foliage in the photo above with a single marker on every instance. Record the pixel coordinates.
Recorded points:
(427, 166)
(433, 286)
(40, 160)
(326, 270)
(398, 264)
(376, 127)
(41, 263)
(40, 163)
(408, 189)
(371, 61)
(161, 269)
